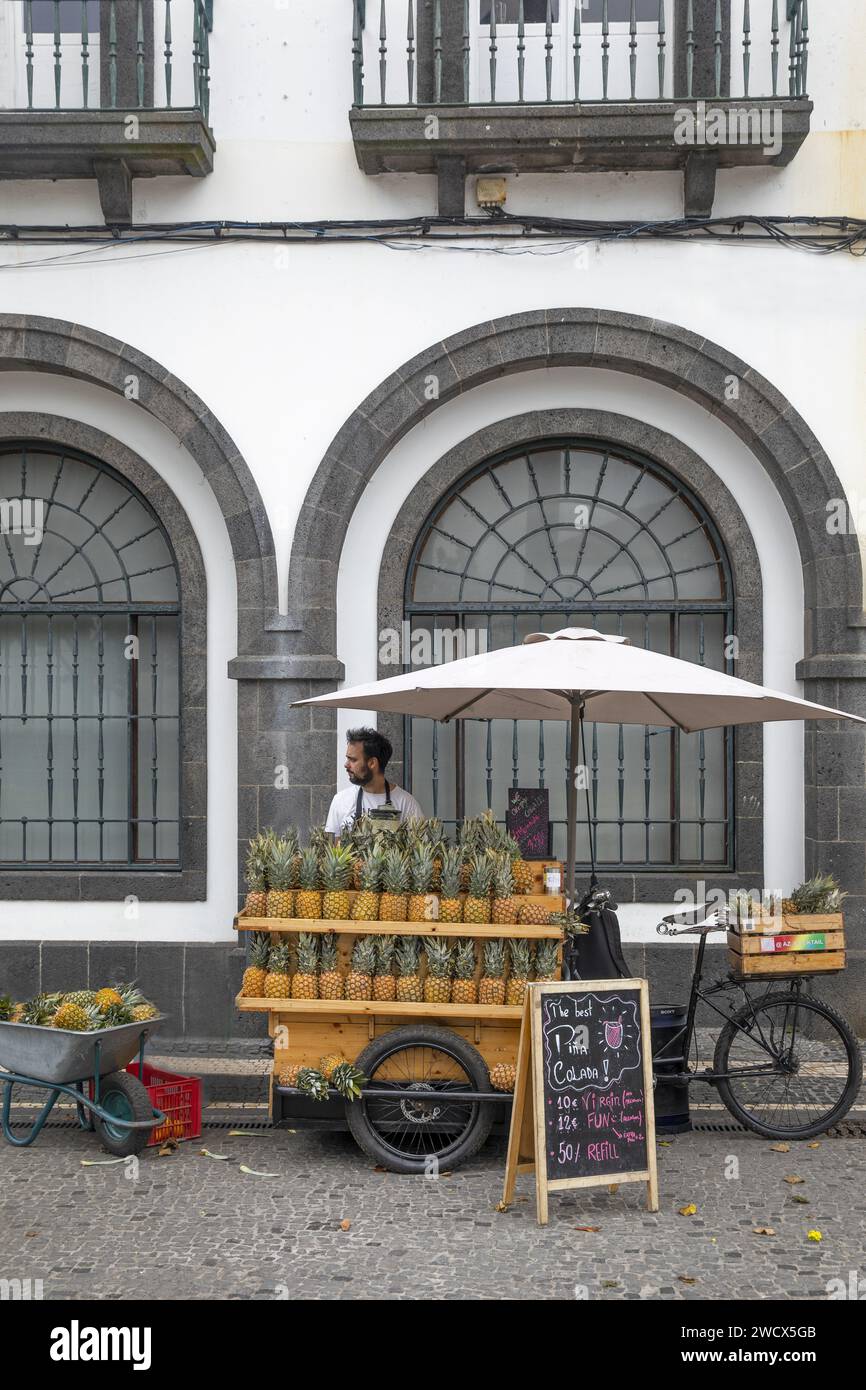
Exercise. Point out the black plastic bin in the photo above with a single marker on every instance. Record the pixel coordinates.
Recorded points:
(671, 1097)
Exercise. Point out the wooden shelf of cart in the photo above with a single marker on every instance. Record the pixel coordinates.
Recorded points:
(344, 926)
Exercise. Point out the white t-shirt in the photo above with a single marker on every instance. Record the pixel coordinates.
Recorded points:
(343, 806)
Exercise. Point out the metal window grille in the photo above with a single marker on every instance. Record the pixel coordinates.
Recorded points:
(90, 668)
(571, 534)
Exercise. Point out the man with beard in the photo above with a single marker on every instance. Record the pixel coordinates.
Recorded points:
(367, 755)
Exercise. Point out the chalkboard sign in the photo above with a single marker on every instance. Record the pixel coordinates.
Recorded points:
(528, 820)
(583, 1101)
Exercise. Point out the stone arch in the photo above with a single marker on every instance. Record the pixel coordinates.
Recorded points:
(744, 400)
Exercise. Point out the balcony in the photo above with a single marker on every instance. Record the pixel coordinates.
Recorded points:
(458, 87)
(85, 92)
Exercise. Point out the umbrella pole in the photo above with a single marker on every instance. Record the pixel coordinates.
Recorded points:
(571, 799)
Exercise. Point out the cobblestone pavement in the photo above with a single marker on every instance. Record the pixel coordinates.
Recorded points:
(191, 1227)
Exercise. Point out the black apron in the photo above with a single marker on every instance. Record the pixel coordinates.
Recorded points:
(359, 805)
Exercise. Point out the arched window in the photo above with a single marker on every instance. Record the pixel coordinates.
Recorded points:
(570, 534)
(89, 668)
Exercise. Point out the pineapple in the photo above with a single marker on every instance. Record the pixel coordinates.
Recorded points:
(504, 908)
(282, 877)
(524, 879)
(491, 990)
(289, 1075)
(423, 903)
(393, 904)
(408, 976)
(329, 1063)
(450, 905)
(476, 908)
(308, 899)
(365, 908)
(17, 1014)
(115, 1015)
(464, 990)
(39, 1011)
(305, 984)
(82, 997)
(278, 981)
(253, 986)
(819, 894)
(503, 1076)
(533, 915)
(359, 981)
(256, 874)
(440, 963)
(105, 998)
(360, 840)
(384, 983)
(312, 1083)
(521, 966)
(336, 877)
(347, 1079)
(77, 1019)
(7, 1008)
(142, 1013)
(546, 960)
(330, 977)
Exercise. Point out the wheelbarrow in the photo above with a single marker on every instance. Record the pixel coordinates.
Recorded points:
(115, 1104)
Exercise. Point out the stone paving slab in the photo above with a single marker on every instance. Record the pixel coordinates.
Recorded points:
(189, 1227)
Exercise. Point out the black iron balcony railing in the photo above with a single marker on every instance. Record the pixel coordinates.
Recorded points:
(108, 89)
(558, 51)
(81, 55)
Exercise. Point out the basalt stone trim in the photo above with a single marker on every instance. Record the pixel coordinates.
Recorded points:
(716, 379)
(546, 426)
(188, 884)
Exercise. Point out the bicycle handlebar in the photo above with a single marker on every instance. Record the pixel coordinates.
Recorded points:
(697, 921)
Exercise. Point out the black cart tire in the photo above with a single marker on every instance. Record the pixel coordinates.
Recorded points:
(124, 1096)
(414, 1142)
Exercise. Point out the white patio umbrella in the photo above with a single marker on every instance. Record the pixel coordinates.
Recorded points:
(578, 674)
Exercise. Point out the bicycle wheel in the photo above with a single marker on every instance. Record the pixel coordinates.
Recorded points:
(793, 1066)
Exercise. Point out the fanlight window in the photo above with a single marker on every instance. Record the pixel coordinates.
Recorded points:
(571, 535)
(89, 669)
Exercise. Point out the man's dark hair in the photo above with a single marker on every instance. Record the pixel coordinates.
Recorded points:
(375, 745)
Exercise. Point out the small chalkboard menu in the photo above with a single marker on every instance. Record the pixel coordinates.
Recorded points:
(528, 820)
(583, 1101)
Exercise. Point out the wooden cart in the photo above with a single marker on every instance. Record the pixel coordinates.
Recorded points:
(428, 1100)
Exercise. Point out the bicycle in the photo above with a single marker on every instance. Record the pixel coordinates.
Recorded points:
(786, 1065)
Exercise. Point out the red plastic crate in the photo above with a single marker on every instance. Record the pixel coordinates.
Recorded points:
(178, 1097)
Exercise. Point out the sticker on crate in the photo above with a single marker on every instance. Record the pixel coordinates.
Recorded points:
(809, 941)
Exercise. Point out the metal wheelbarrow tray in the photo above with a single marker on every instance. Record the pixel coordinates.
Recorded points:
(61, 1061)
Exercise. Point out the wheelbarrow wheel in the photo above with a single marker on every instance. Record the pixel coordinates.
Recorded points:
(124, 1097)
(429, 1129)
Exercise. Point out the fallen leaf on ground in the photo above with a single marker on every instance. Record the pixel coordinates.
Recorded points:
(763, 1231)
(380, 1168)
(167, 1149)
(345, 1225)
(780, 1148)
(249, 1134)
(686, 1279)
(27, 1234)
(687, 1211)
(815, 1235)
(798, 1197)
(816, 1145)
(206, 1153)
(523, 1199)
(100, 1162)
(793, 1179)
(613, 1187)
(587, 1228)
(255, 1174)
(664, 1143)
(610, 1283)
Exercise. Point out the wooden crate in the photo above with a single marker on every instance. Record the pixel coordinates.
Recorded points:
(809, 945)
(795, 924)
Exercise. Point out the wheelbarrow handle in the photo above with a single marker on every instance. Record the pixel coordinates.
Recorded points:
(11, 1079)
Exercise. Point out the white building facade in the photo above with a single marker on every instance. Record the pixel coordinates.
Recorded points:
(276, 388)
